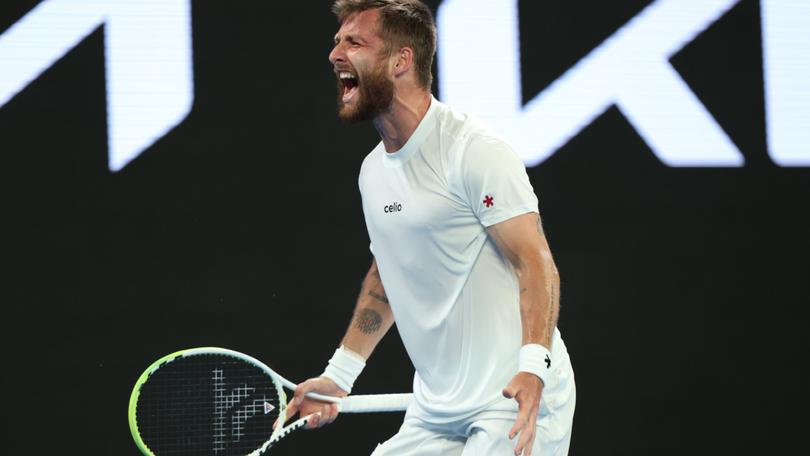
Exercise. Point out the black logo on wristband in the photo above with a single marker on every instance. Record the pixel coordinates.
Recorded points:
(548, 362)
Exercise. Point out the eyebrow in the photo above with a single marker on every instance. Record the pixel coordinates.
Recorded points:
(349, 37)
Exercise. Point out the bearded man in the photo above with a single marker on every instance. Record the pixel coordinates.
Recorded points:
(461, 263)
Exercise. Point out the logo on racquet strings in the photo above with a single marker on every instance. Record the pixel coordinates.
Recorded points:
(225, 402)
(268, 407)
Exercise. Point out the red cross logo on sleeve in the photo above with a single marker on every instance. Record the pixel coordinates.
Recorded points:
(488, 201)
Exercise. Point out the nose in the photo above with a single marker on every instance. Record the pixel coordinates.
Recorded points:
(337, 54)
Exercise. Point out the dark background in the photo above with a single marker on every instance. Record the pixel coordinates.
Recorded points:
(684, 291)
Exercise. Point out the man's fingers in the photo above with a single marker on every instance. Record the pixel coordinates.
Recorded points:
(526, 389)
(526, 430)
(292, 408)
(314, 421)
(525, 442)
(302, 389)
(320, 413)
(526, 424)
(509, 392)
(327, 414)
(520, 423)
(333, 412)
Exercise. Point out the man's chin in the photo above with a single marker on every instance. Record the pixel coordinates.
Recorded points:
(351, 114)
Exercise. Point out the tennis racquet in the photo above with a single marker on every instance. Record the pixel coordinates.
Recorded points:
(215, 401)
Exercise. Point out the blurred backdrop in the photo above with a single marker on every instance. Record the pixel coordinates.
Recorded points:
(173, 174)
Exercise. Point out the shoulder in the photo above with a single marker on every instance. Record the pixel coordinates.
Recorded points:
(372, 157)
(485, 147)
(371, 160)
(473, 138)
(488, 151)
(454, 127)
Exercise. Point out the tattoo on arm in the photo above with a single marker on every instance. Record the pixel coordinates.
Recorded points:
(368, 321)
(378, 296)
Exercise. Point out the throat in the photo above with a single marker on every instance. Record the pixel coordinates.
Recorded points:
(397, 125)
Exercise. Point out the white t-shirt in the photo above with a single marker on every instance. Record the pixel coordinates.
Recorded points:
(454, 297)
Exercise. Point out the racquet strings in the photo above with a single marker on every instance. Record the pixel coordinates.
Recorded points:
(209, 404)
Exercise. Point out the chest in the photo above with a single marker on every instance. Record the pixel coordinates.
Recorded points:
(412, 201)
(400, 201)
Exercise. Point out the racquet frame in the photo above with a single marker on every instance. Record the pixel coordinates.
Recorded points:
(349, 404)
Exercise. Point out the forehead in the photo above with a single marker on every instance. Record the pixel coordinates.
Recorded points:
(360, 25)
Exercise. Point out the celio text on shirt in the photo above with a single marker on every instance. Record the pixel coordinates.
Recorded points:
(393, 207)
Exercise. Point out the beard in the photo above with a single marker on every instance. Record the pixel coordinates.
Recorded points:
(374, 96)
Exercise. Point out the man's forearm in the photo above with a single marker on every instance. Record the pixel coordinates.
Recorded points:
(539, 284)
(372, 316)
(522, 241)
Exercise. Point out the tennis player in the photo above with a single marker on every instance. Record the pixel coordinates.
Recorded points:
(461, 263)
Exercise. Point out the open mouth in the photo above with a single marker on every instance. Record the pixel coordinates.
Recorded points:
(349, 83)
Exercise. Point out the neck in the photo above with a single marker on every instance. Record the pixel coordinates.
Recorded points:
(396, 125)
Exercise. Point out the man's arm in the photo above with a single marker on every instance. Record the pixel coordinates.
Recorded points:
(372, 316)
(522, 241)
(371, 321)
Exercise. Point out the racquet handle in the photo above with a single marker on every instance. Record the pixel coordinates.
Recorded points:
(375, 403)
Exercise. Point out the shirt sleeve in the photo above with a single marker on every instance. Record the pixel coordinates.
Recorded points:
(494, 181)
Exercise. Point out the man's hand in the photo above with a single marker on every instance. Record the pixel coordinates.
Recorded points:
(526, 389)
(324, 412)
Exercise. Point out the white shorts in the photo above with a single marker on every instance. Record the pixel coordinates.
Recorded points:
(487, 433)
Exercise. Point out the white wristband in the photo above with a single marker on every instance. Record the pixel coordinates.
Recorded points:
(344, 367)
(535, 359)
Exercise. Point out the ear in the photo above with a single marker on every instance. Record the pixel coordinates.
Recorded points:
(402, 62)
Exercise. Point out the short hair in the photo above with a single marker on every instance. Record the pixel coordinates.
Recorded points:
(402, 23)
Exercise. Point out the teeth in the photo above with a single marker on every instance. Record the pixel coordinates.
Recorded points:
(346, 75)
